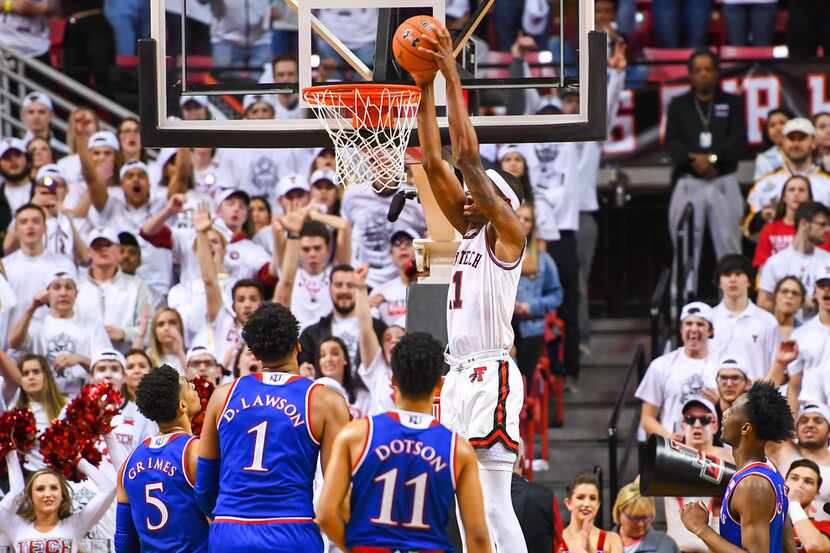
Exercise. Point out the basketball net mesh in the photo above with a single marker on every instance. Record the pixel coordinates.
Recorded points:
(370, 127)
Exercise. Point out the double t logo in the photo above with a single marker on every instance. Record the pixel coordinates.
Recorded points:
(478, 374)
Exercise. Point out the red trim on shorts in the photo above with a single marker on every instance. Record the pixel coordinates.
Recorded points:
(499, 432)
(276, 520)
(376, 549)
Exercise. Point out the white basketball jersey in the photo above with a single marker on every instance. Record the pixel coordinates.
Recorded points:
(481, 298)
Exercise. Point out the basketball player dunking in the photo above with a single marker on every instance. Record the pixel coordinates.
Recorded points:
(482, 394)
(753, 515)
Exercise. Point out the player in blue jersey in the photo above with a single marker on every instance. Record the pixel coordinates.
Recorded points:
(753, 515)
(262, 436)
(404, 469)
(157, 509)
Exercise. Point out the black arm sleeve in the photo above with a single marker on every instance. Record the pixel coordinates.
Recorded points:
(730, 150)
(677, 148)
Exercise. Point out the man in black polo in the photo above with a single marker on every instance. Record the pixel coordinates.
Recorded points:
(705, 136)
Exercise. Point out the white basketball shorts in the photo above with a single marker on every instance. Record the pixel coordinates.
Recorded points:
(482, 399)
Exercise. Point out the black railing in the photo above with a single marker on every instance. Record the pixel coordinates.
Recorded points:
(684, 248)
(660, 315)
(597, 470)
(615, 468)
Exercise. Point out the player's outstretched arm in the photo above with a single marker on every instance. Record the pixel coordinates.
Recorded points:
(442, 180)
(207, 466)
(470, 498)
(338, 480)
(465, 150)
(328, 414)
(754, 503)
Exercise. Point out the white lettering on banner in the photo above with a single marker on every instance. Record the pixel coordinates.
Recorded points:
(761, 95)
(622, 134)
(818, 94)
(667, 93)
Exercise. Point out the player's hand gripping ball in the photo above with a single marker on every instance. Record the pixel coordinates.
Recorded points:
(408, 38)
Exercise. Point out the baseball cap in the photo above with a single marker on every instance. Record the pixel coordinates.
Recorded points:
(732, 361)
(68, 274)
(199, 99)
(696, 309)
(53, 172)
(228, 192)
(251, 99)
(37, 97)
(198, 350)
(103, 139)
(108, 355)
(322, 175)
(128, 239)
(130, 165)
(815, 408)
(799, 124)
(822, 273)
(12, 144)
(699, 400)
(292, 181)
(402, 233)
(102, 233)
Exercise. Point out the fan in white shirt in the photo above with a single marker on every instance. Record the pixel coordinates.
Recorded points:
(741, 326)
(803, 258)
(222, 330)
(55, 526)
(30, 269)
(243, 258)
(109, 296)
(14, 170)
(812, 349)
(375, 367)
(62, 236)
(127, 211)
(390, 297)
(366, 210)
(67, 339)
(673, 378)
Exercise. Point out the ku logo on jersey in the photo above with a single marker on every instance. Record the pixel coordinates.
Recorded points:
(478, 374)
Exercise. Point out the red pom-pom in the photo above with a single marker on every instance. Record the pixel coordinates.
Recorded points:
(18, 431)
(204, 388)
(88, 417)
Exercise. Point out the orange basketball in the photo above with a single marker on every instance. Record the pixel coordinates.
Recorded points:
(408, 38)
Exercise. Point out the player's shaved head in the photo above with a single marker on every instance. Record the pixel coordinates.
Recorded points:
(417, 364)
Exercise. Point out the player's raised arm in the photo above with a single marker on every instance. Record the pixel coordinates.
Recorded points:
(465, 149)
(470, 498)
(442, 180)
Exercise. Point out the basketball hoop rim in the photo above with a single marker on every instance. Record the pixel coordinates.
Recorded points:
(346, 95)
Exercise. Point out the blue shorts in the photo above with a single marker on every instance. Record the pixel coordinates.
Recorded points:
(285, 537)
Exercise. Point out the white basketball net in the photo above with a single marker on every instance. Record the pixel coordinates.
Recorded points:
(370, 130)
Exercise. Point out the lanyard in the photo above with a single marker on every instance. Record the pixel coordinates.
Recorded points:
(704, 120)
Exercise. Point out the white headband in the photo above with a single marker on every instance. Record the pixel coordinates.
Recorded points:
(504, 188)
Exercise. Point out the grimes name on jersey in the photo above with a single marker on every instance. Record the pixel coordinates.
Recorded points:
(467, 257)
(279, 403)
(411, 447)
